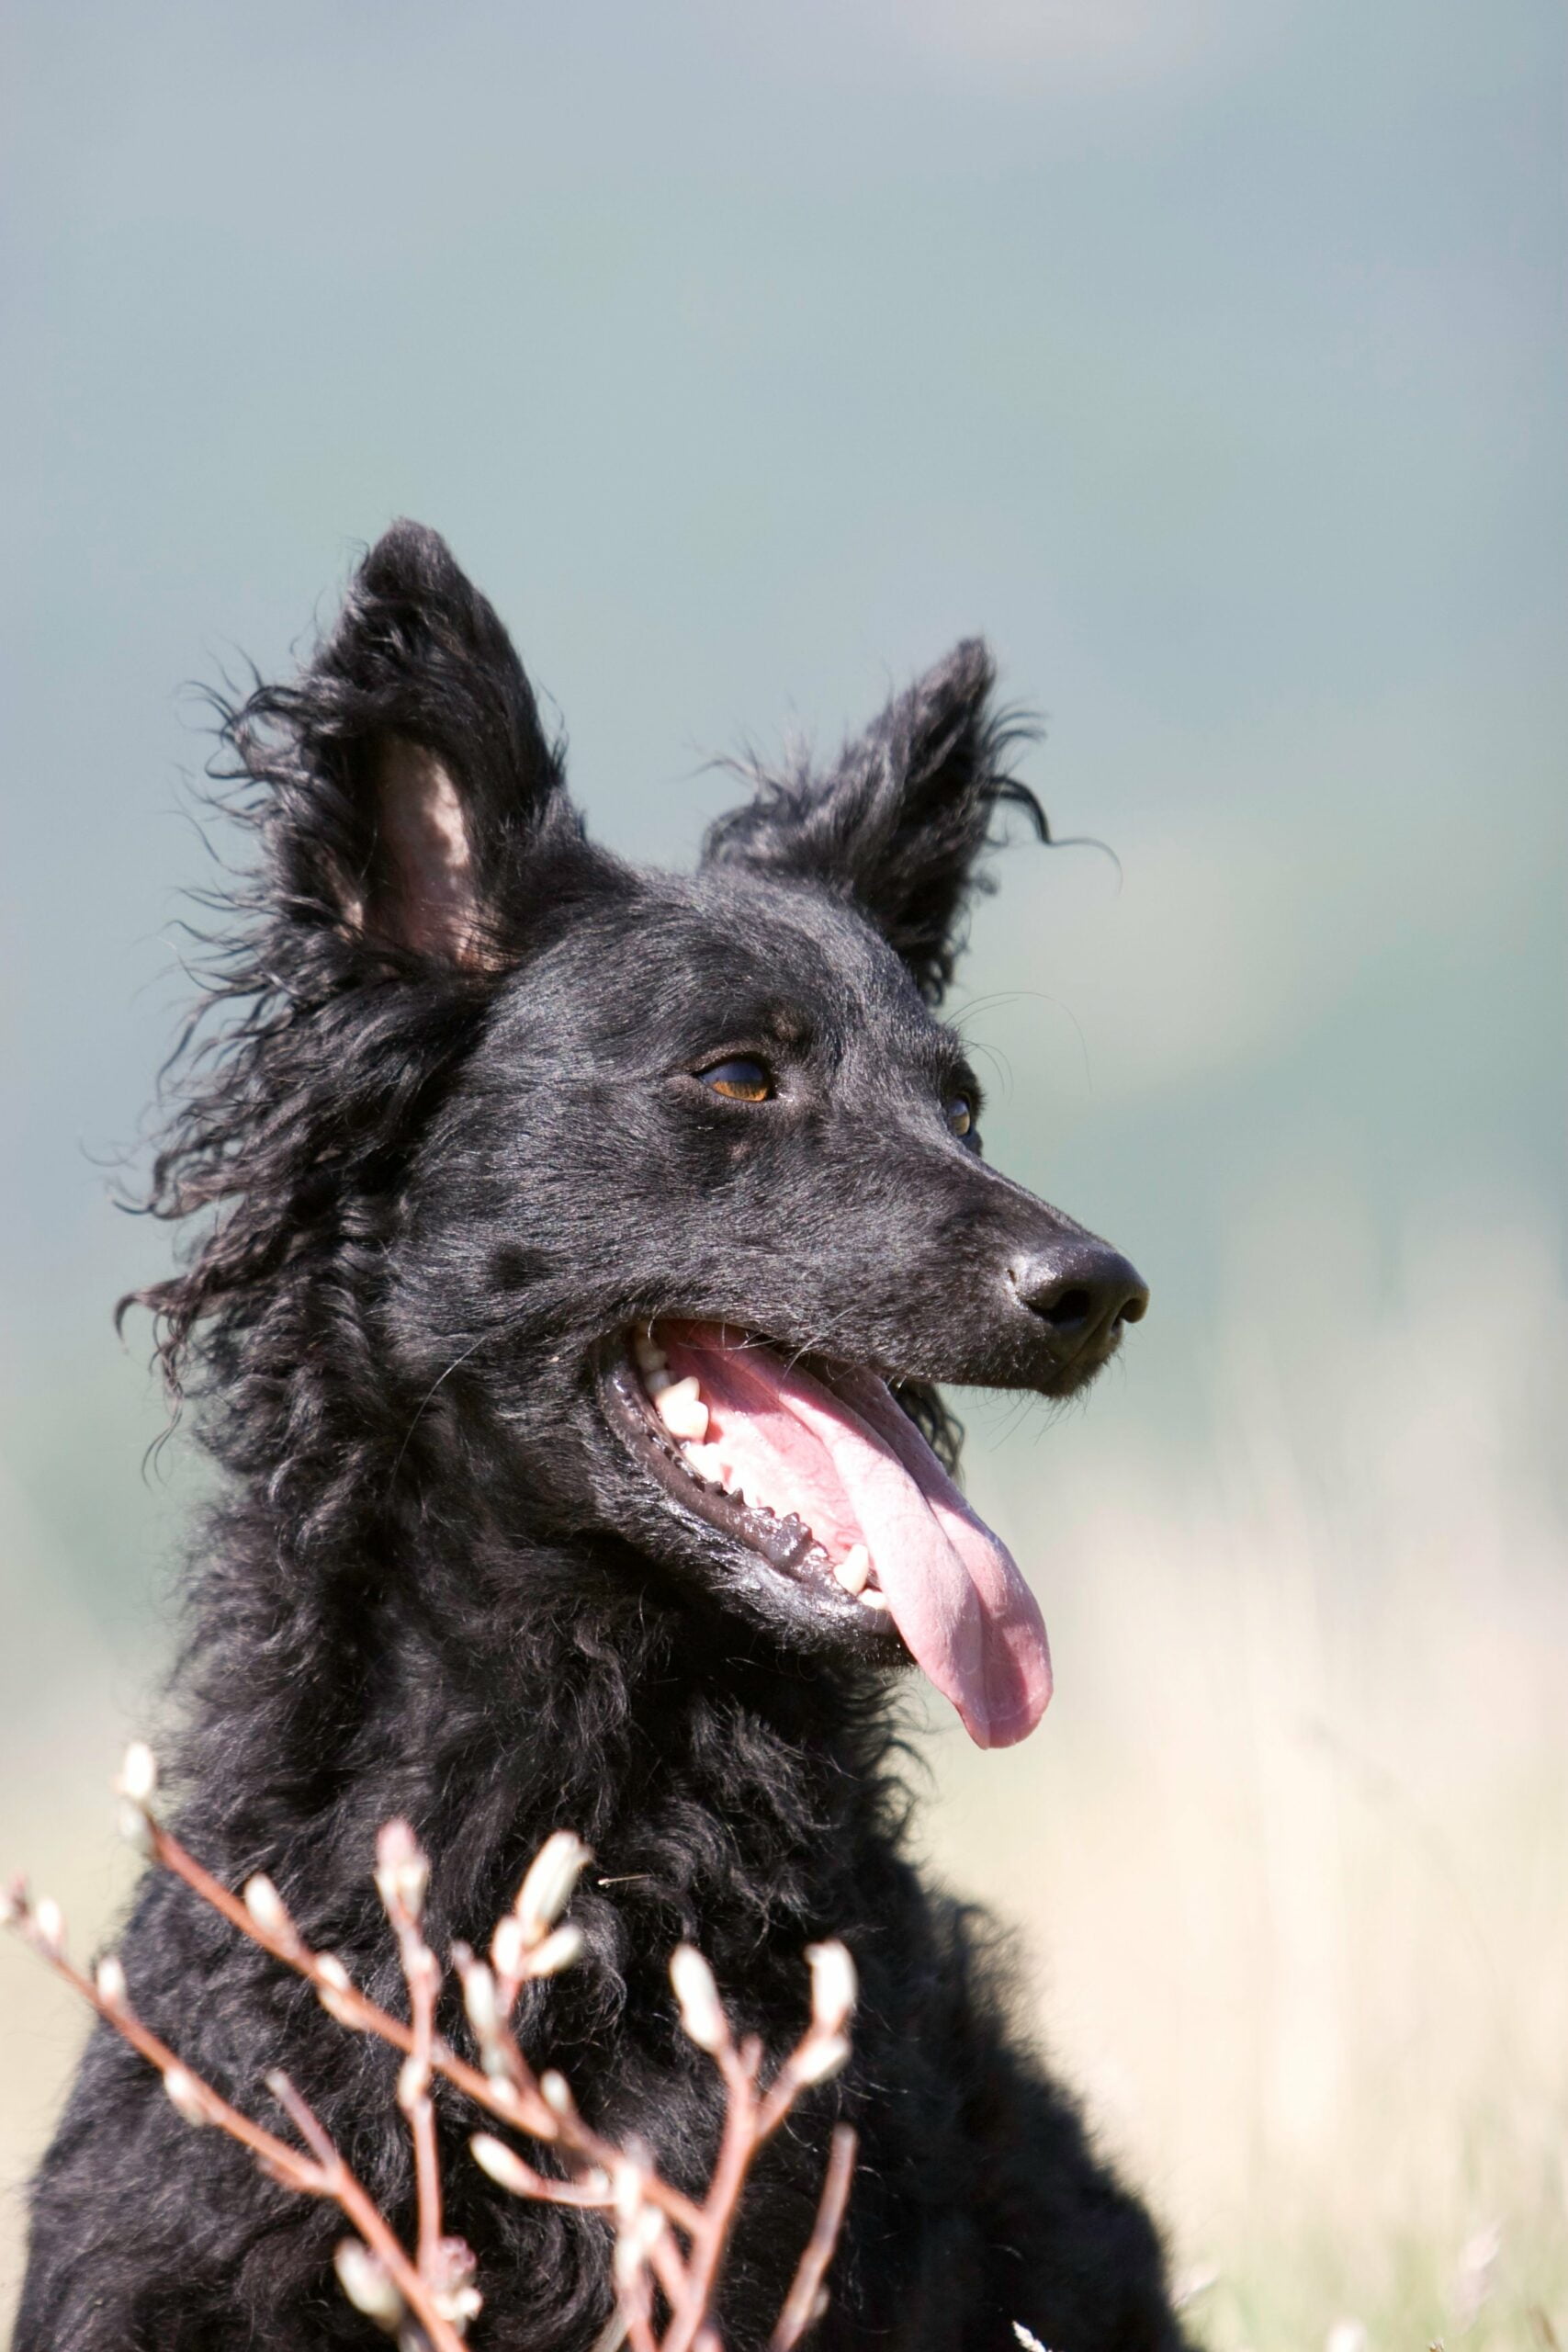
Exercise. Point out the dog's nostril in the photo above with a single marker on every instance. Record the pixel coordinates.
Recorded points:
(1081, 1290)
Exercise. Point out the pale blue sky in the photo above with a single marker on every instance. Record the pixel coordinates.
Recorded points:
(1210, 362)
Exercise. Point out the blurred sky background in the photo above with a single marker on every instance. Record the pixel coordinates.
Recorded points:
(1207, 359)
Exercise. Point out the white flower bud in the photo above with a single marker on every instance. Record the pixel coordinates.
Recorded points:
(702, 2014)
(364, 2279)
(479, 1999)
(48, 1923)
(267, 1908)
(557, 1951)
(332, 1982)
(413, 2083)
(506, 2169)
(629, 2184)
(424, 1971)
(184, 2096)
(552, 1877)
(821, 2056)
(110, 1981)
(402, 1871)
(135, 1829)
(137, 1780)
(555, 2092)
(508, 1951)
(833, 1987)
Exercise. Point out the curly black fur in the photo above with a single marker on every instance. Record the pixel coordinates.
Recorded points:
(439, 1142)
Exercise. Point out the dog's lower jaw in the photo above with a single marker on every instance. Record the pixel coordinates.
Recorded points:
(770, 1555)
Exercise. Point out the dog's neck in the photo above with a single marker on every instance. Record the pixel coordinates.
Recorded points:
(492, 1693)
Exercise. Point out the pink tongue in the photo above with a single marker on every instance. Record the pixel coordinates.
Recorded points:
(854, 1467)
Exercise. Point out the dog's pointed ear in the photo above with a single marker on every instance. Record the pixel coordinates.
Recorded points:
(899, 824)
(428, 787)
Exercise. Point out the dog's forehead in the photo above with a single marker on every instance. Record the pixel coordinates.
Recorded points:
(794, 932)
(734, 945)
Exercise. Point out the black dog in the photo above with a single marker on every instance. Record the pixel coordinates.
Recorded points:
(583, 1244)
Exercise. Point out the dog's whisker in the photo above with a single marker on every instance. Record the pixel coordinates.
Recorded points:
(429, 1396)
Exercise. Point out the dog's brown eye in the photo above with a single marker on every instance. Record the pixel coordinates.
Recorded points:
(960, 1113)
(740, 1081)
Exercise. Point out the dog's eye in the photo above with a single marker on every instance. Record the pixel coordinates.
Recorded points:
(740, 1081)
(960, 1113)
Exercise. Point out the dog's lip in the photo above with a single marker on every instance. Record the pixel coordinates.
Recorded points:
(785, 1546)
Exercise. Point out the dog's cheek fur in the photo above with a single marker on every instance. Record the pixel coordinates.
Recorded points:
(445, 1158)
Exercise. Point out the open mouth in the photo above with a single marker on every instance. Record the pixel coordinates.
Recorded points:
(823, 1475)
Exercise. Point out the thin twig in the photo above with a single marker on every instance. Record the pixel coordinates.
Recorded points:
(290, 2166)
(303, 2117)
(801, 2303)
(737, 2148)
(670, 2270)
(418, 2291)
(324, 2175)
(401, 1876)
(516, 2098)
(636, 2309)
(436, 2287)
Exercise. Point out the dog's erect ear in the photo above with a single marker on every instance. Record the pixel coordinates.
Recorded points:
(440, 785)
(900, 822)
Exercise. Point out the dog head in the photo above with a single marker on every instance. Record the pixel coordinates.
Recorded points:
(656, 1202)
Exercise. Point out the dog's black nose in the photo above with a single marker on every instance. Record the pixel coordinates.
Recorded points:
(1082, 1289)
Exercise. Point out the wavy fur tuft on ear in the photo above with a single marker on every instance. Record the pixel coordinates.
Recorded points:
(413, 749)
(411, 830)
(900, 823)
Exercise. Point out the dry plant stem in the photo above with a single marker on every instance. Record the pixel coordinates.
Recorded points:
(347, 2193)
(736, 2148)
(636, 2309)
(669, 2271)
(510, 2090)
(422, 1974)
(750, 2119)
(800, 2304)
(327, 2176)
(517, 2100)
(779, 2096)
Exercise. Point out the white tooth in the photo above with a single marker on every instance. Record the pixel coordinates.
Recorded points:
(854, 1568)
(872, 1598)
(651, 1356)
(682, 1409)
(706, 1461)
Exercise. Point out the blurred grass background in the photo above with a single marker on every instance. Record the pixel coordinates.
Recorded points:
(1211, 361)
